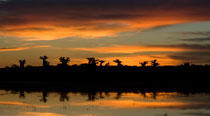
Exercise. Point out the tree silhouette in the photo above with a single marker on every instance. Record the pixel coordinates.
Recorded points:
(64, 61)
(143, 64)
(119, 63)
(89, 61)
(45, 62)
(22, 63)
(92, 61)
(186, 64)
(154, 63)
(101, 62)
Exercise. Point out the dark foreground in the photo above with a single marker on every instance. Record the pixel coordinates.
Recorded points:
(182, 79)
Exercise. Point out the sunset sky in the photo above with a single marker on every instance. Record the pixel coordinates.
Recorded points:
(171, 31)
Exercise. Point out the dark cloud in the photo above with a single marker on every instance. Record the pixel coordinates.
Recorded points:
(197, 114)
(193, 57)
(196, 33)
(197, 39)
(98, 9)
(193, 47)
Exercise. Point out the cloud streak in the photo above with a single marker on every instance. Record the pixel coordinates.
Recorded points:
(149, 48)
(197, 39)
(21, 48)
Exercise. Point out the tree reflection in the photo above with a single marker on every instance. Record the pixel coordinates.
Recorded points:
(44, 97)
(21, 94)
(64, 96)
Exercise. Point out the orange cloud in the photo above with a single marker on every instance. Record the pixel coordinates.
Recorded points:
(147, 48)
(21, 48)
(79, 19)
(135, 49)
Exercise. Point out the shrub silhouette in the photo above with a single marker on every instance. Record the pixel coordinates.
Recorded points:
(119, 63)
(64, 61)
(101, 62)
(143, 64)
(22, 63)
(107, 64)
(154, 63)
(44, 60)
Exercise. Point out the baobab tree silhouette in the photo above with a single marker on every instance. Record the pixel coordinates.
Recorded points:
(154, 63)
(45, 62)
(119, 63)
(64, 61)
(101, 62)
(143, 64)
(22, 63)
(92, 61)
(89, 60)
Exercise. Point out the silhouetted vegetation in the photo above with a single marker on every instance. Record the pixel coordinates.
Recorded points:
(154, 63)
(64, 61)
(92, 61)
(45, 63)
(101, 62)
(94, 74)
(22, 63)
(143, 64)
(119, 63)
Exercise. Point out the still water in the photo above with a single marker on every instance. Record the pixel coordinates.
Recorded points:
(103, 104)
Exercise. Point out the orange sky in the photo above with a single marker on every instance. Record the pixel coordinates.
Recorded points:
(129, 30)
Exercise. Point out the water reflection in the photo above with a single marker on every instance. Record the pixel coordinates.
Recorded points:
(45, 103)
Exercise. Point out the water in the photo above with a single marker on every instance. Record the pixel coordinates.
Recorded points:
(103, 104)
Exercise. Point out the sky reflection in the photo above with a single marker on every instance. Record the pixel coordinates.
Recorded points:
(104, 104)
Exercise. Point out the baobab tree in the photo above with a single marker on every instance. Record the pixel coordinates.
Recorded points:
(64, 61)
(45, 62)
(154, 63)
(119, 63)
(89, 60)
(101, 62)
(92, 61)
(22, 63)
(143, 64)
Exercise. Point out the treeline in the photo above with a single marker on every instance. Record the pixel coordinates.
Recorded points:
(92, 62)
(100, 74)
(100, 68)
